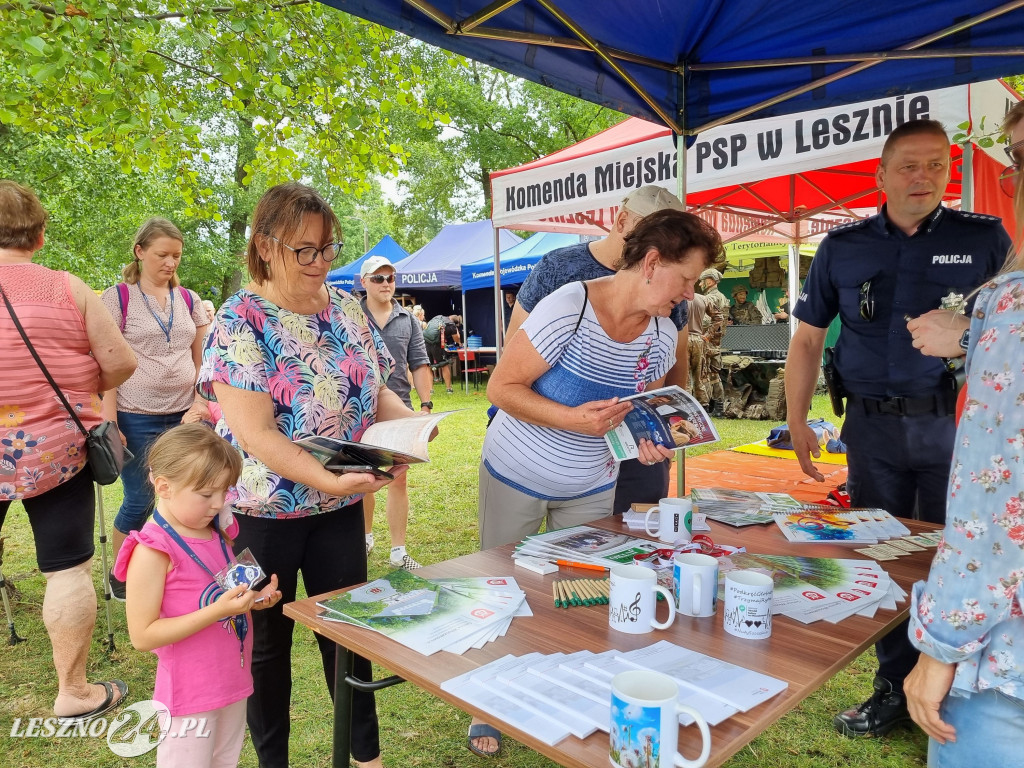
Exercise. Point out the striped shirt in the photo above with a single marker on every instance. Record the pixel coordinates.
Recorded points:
(40, 446)
(585, 365)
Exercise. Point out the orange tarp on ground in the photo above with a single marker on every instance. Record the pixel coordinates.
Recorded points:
(747, 472)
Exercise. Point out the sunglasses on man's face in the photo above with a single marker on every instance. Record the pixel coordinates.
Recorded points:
(380, 279)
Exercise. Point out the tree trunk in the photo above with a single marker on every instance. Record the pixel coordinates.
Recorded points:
(238, 214)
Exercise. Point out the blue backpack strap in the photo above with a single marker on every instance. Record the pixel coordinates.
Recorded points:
(122, 299)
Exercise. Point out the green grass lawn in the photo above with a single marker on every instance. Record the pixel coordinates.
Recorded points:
(416, 729)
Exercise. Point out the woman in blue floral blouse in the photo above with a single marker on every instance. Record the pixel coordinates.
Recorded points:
(967, 691)
(290, 357)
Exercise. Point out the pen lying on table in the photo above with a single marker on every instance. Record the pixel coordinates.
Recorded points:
(587, 566)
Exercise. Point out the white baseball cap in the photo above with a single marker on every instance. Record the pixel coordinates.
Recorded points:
(374, 263)
(651, 199)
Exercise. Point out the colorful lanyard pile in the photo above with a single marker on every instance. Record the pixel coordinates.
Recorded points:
(238, 624)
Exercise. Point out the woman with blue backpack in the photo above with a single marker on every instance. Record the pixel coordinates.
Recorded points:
(165, 325)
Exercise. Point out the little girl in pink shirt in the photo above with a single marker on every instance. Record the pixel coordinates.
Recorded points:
(175, 608)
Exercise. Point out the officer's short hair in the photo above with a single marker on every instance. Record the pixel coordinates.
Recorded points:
(912, 128)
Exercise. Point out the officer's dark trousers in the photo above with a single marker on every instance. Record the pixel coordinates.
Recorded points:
(900, 464)
(639, 483)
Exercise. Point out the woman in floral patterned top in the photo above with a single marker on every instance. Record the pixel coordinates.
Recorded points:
(290, 357)
(967, 691)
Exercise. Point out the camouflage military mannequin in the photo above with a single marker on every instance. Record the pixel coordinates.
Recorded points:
(718, 309)
(743, 312)
(698, 312)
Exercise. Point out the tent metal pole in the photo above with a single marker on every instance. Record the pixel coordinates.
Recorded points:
(465, 341)
(681, 194)
(967, 178)
(499, 314)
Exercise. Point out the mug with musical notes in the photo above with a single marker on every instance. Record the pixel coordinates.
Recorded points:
(631, 600)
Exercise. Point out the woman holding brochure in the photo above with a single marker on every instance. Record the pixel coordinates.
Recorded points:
(559, 382)
(967, 690)
(291, 357)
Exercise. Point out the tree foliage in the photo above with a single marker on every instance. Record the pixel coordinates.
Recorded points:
(495, 121)
(115, 112)
(130, 79)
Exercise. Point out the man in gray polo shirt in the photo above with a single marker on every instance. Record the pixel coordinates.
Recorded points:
(404, 339)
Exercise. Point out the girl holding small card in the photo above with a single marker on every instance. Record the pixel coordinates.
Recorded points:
(176, 606)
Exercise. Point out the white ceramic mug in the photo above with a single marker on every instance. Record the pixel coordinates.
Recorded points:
(695, 582)
(645, 722)
(631, 600)
(748, 604)
(675, 520)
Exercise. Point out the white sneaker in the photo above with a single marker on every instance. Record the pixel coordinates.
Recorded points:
(369, 543)
(405, 562)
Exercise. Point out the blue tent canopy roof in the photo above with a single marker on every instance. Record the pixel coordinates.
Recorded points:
(344, 276)
(692, 65)
(438, 263)
(516, 262)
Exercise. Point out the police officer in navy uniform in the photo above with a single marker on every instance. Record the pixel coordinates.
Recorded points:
(899, 427)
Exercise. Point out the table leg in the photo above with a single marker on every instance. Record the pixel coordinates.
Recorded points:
(344, 683)
(343, 668)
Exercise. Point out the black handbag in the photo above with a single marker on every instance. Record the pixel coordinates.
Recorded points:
(105, 451)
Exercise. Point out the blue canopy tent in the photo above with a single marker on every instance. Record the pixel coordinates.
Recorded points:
(696, 65)
(693, 65)
(517, 263)
(344, 277)
(438, 264)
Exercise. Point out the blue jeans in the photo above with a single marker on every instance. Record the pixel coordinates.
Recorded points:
(989, 731)
(140, 430)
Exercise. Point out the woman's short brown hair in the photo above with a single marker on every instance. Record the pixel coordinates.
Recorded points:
(22, 217)
(150, 230)
(673, 234)
(279, 214)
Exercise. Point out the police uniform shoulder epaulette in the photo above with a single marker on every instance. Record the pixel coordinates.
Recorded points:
(977, 218)
(851, 227)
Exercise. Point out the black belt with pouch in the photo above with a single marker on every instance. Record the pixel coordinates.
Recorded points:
(940, 404)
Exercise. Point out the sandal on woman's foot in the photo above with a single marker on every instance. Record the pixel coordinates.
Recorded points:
(108, 703)
(483, 731)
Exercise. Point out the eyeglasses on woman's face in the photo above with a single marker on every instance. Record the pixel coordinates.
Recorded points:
(380, 279)
(1008, 179)
(306, 256)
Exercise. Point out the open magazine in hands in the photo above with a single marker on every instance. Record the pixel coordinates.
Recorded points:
(668, 416)
(384, 444)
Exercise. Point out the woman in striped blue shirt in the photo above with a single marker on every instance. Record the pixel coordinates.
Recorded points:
(559, 382)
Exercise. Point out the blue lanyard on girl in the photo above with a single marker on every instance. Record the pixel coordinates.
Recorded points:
(238, 624)
(170, 318)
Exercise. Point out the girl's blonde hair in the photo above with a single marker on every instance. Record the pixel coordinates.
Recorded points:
(194, 456)
(150, 230)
